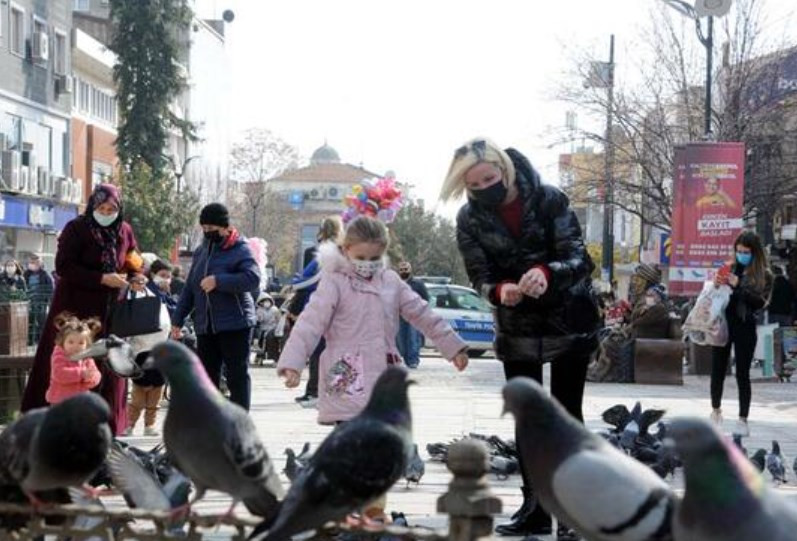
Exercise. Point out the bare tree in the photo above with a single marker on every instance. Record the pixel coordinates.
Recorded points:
(664, 108)
(260, 210)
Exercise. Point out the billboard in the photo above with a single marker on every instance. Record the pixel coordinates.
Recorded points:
(708, 204)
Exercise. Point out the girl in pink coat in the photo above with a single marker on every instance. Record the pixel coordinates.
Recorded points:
(68, 377)
(356, 308)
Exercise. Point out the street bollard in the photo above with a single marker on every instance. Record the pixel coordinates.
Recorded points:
(469, 502)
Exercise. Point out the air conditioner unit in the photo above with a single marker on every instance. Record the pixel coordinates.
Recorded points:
(24, 178)
(64, 84)
(43, 184)
(333, 193)
(315, 194)
(12, 163)
(40, 46)
(77, 191)
(55, 184)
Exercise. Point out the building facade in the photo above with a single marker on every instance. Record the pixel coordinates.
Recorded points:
(317, 191)
(38, 193)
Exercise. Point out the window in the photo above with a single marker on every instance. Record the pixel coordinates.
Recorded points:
(59, 53)
(82, 5)
(16, 31)
(40, 29)
(13, 130)
(100, 172)
(85, 96)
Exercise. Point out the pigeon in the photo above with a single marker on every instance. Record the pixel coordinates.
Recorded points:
(725, 499)
(292, 465)
(759, 459)
(503, 467)
(210, 439)
(775, 465)
(120, 355)
(600, 492)
(617, 416)
(631, 430)
(357, 463)
(415, 467)
(142, 490)
(737, 441)
(57, 447)
(304, 456)
(646, 420)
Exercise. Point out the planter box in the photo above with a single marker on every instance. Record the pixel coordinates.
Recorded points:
(14, 328)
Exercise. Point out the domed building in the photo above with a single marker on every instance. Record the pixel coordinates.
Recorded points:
(317, 190)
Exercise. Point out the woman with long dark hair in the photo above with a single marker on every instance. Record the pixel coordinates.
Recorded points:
(96, 258)
(523, 251)
(751, 282)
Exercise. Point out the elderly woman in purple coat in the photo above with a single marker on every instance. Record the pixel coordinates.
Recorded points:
(96, 258)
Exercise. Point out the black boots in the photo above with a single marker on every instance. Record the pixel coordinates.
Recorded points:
(530, 519)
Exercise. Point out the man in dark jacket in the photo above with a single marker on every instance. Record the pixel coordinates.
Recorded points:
(781, 302)
(523, 251)
(40, 293)
(218, 291)
(409, 339)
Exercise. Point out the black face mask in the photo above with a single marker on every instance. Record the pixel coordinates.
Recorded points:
(213, 236)
(404, 275)
(492, 196)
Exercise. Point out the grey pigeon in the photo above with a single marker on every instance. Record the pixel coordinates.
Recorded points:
(357, 463)
(597, 490)
(58, 447)
(759, 459)
(775, 465)
(120, 355)
(304, 455)
(292, 465)
(725, 498)
(210, 439)
(737, 441)
(415, 467)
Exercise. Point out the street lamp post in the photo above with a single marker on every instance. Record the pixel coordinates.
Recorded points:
(607, 259)
(707, 39)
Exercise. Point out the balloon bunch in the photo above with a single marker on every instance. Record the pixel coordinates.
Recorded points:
(378, 198)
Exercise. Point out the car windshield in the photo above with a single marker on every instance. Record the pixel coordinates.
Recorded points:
(456, 299)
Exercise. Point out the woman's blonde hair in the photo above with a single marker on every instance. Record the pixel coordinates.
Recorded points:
(475, 151)
(366, 229)
(67, 323)
(330, 229)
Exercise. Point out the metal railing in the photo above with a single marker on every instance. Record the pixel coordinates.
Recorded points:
(469, 504)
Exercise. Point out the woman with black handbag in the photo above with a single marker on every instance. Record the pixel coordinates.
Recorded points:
(523, 251)
(96, 258)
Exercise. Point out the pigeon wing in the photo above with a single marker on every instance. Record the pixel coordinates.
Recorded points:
(248, 455)
(617, 416)
(14, 445)
(633, 502)
(136, 482)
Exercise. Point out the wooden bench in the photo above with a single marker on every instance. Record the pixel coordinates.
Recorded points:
(660, 361)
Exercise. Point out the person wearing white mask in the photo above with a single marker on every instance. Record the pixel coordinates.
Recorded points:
(12, 276)
(160, 283)
(97, 256)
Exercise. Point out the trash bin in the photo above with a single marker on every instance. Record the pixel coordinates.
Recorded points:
(13, 344)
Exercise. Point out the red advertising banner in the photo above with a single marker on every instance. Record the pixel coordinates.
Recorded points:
(708, 204)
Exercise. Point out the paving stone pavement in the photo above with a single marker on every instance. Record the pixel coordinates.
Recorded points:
(447, 404)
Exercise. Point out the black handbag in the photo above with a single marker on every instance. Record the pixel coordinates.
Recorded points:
(134, 315)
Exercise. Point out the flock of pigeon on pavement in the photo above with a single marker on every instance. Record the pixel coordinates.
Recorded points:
(608, 486)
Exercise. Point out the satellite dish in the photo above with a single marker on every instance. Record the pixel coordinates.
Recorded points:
(712, 8)
(228, 16)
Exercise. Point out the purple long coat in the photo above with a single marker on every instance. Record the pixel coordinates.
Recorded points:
(78, 266)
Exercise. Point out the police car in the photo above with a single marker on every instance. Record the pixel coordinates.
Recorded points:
(467, 313)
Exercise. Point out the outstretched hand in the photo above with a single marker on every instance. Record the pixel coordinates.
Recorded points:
(460, 361)
(291, 377)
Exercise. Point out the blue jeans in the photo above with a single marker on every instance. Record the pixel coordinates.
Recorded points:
(408, 342)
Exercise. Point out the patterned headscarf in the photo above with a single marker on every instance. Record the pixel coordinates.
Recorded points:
(106, 237)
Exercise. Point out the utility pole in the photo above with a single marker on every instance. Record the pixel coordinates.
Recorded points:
(607, 266)
(708, 43)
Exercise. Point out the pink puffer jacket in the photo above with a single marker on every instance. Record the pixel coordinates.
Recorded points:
(359, 320)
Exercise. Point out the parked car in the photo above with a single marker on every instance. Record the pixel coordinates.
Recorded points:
(468, 313)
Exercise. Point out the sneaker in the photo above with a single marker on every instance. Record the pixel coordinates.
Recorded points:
(302, 398)
(151, 432)
(716, 417)
(310, 402)
(742, 428)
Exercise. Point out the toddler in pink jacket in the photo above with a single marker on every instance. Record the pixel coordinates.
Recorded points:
(356, 308)
(67, 377)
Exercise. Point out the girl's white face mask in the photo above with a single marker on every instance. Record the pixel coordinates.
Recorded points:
(366, 269)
